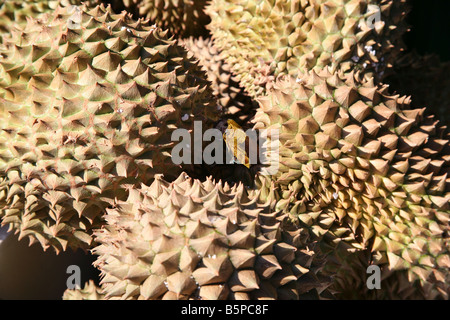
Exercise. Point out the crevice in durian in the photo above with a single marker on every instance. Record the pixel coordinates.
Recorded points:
(28, 273)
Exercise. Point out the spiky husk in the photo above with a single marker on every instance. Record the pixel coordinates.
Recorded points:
(235, 103)
(14, 13)
(352, 274)
(358, 165)
(89, 292)
(426, 79)
(89, 100)
(194, 240)
(274, 37)
(183, 18)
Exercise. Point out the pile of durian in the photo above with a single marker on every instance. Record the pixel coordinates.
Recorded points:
(90, 94)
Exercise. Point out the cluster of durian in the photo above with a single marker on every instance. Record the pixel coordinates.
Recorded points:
(90, 94)
(194, 240)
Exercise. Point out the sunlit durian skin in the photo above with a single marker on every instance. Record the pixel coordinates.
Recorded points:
(203, 240)
(359, 166)
(263, 38)
(89, 101)
(233, 99)
(89, 292)
(14, 13)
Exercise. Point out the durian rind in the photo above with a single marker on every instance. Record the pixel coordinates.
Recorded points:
(89, 102)
(233, 99)
(14, 13)
(203, 240)
(352, 275)
(425, 79)
(90, 291)
(183, 18)
(268, 38)
(358, 166)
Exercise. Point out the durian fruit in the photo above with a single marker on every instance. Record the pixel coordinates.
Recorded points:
(276, 37)
(89, 292)
(183, 18)
(235, 103)
(89, 101)
(203, 240)
(14, 13)
(350, 281)
(426, 79)
(359, 166)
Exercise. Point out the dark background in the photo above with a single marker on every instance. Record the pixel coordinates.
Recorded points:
(430, 27)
